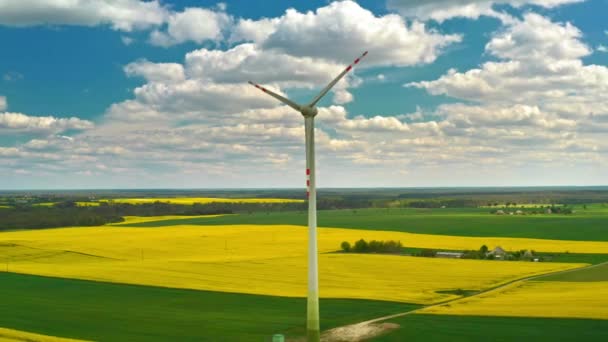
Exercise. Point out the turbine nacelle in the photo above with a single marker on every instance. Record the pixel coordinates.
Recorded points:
(308, 111)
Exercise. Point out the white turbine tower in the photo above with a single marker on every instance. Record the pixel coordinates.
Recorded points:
(309, 112)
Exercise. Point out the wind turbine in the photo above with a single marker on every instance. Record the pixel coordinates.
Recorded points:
(309, 112)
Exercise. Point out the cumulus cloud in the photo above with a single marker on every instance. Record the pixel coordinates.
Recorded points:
(193, 24)
(537, 38)
(127, 40)
(18, 122)
(191, 123)
(344, 29)
(156, 72)
(250, 62)
(540, 64)
(539, 101)
(441, 10)
(124, 15)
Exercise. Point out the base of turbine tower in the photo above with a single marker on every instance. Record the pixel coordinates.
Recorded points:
(313, 331)
(313, 336)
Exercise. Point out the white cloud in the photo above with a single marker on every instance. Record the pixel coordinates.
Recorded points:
(270, 67)
(190, 99)
(253, 30)
(342, 96)
(248, 62)
(376, 123)
(344, 30)
(3, 103)
(124, 15)
(193, 24)
(127, 40)
(541, 65)
(198, 124)
(465, 116)
(18, 122)
(538, 38)
(539, 104)
(602, 48)
(441, 10)
(156, 72)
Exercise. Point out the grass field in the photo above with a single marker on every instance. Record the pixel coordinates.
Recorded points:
(244, 258)
(111, 312)
(187, 258)
(583, 226)
(599, 273)
(441, 328)
(587, 258)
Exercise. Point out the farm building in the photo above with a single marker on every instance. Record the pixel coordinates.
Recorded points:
(498, 252)
(451, 255)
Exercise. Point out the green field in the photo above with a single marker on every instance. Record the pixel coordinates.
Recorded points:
(115, 312)
(440, 328)
(587, 226)
(599, 273)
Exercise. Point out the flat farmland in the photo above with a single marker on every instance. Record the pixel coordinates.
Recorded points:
(441, 328)
(590, 225)
(269, 260)
(113, 312)
(573, 294)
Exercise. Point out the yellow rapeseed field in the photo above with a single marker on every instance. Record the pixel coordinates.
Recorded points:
(250, 259)
(140, 219)
(536, 299)
(10, 335)
(332, 238)
(202, 200)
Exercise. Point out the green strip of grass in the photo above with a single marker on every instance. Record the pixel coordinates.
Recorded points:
(115, 312)
(459, 222)
(441, 328)
(599, 273)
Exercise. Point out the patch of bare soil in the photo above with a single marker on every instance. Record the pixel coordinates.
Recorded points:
(357, 332)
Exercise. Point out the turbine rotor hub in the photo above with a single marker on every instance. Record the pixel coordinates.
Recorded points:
(308, 111)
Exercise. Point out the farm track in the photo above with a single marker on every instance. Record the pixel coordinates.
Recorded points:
(372, 328)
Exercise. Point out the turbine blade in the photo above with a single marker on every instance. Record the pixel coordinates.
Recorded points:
(278, 97)
(332, 83)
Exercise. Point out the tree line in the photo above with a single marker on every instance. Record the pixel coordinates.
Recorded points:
(373, 246)
(67, 213)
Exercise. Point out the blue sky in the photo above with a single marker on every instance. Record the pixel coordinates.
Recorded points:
(153, 94)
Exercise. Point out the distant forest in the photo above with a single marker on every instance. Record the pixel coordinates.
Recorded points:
(67, 213)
